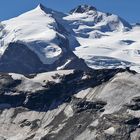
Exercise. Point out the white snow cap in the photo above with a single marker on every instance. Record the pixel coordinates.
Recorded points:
(38, 29)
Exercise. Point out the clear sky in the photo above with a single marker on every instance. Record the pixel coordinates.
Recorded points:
(127, 9)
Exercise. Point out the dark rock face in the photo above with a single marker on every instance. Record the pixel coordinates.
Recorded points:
(83, 9)
(135, 104)
(18, 58)
(86, 105)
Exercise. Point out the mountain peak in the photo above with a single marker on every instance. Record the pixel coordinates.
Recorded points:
(42, 7)
(83, 8)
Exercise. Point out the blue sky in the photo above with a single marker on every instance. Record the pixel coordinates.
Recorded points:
(127, 9)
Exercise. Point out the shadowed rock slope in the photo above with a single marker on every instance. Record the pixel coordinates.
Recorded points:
(70, 105)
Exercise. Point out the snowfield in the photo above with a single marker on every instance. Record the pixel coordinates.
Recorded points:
(123, 46)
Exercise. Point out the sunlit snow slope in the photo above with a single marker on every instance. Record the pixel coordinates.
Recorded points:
(118, 48)
(35, 42)
(105, 39)
(33, 26)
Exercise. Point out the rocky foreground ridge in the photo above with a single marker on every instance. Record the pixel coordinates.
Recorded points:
(98, 105)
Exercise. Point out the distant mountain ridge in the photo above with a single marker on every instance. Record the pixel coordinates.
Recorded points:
(51, 37)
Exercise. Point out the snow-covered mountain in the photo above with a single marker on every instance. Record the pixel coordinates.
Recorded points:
(105, 40)
(48, 93)
(85, 19)
(35, 42)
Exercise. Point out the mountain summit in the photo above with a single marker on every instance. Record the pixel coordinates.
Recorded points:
(83, 9)
(44, 8)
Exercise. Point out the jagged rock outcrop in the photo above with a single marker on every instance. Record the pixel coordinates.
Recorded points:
(66, 105)
(83, 9)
